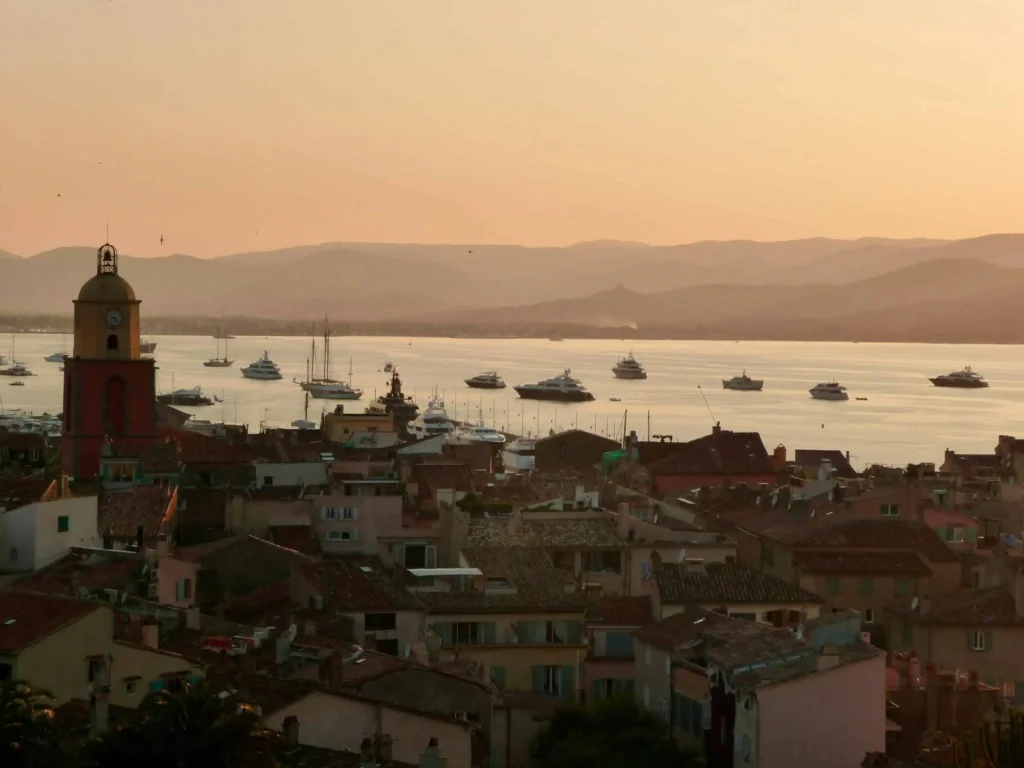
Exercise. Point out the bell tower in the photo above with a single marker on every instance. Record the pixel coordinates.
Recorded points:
(109, 390)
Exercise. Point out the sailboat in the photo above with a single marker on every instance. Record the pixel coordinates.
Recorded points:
(59, 357)
(16, 368)
(220, 362)
(323, 387)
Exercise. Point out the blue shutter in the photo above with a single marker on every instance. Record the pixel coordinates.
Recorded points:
(538, 680)
(619, 644)
(194, 680)
(156, 685)
(489, 632)
(573, 632)
(525, 632)
(446, 631)
(498, 677)
(567, 684)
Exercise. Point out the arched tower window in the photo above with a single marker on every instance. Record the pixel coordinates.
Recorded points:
(115, 403)
(112, 342)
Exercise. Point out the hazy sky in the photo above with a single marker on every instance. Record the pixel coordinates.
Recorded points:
(231, 125)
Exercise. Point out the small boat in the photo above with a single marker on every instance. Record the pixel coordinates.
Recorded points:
(563, 388)
(615, 399)
(218, 361)
(18, 370)
(147, 347)
(965, 379)
(16, 384)
(743, 383)
(861, 398)
(833, 390)
(389, 367)
(186, 397)
(56, 357)
(486, 380)
(264, 369)
(556, 338)
(629, 368)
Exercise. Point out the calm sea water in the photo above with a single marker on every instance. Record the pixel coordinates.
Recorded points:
(904, 418)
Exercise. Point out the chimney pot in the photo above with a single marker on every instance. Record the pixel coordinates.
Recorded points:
(291, 731)
(384, 748)
(151, 634)
(99, 711)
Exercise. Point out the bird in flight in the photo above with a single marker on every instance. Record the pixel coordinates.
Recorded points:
(161, 239)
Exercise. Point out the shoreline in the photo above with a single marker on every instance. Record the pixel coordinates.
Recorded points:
(242, 327)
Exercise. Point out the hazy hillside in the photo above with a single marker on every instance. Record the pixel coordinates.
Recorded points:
(603, 283)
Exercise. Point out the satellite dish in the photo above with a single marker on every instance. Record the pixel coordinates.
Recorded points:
(915, 603)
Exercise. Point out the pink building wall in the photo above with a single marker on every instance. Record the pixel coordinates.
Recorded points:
(839, 714)
(170, 571)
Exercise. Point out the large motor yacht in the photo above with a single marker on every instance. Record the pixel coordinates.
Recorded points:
(486, 380)
(433, 421)
(394, 401)
(16, 370)
(743, 383)
(186, 397)
(965, 379)
(466, 434)
(518, 456)
(629, 368)
(833, 390)
(147, 347)
(264, 368)
(563, 388)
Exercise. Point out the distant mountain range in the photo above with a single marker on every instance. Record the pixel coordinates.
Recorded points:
(867, 289)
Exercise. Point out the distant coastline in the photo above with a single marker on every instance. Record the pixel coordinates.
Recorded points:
(254, 326)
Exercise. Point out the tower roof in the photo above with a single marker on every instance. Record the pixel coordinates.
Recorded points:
(106, 285)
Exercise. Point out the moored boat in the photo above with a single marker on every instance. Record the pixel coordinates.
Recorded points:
(486, 380)
(743, 383)
(965, 379)
(562, 388)
(832, 390)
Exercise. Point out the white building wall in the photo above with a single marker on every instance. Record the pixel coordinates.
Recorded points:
(293, 474)
(31, 539)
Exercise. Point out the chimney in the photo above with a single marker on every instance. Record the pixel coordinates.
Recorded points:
(431, 757)
(99, 711)
(366, 758)
(151, 634)
(1018, 591)
(64, 485)
(717, 429)
(161, 545)
(76, 582)
(779, 458)
(140, 538)
(828, 658)
(193, 619)
(291, 731)
(622, 521)
(385, 748)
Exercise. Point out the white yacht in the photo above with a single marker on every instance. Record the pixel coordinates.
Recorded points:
(563, 388)
(319, 383)
(56, 357)
(833, 390)
(518, 456)
(629, 368)
(433, 421)
(264, 368)
(339, 390)
(743, 383)
(486, 380)
(147, 347)
(478, 433)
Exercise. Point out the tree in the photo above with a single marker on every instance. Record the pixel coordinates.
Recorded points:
(28, 736)
(192, 729)
(616, 733)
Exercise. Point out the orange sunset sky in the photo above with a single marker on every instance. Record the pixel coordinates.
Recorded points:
(234, 125)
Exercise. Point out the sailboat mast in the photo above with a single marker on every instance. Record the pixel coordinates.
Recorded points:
(327, 351)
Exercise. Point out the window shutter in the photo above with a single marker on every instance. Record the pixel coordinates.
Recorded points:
(538, 680)
(573, 632)
(323, 513)
(490, 632)
(566, 687)
(498, 677)
(598, 686)
(194, 680)
(431, 556)
(355, 535)
(989, 637)
(156, 685)
(355, 513)
(447, 632)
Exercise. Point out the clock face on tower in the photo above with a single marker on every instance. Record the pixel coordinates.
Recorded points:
(113, 318)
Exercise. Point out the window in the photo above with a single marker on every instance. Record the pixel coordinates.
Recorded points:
(175, 684)
(890, 510)
(340, 513)
(832, 586)
(390, 647)
(956, 534)
(130, 686)
(498, 677)
(552, 681)
(380, 622)
(112, 342)
(867, 585)
(869, 615)
(63, 524)
(619, 645)
(563, 560)
(601, 562)
(902, 587)
(979, 640)
(183, 589)
(420, 556)
(340, 535)
(268, 480)
(744, 616)
(467, 632)
(640, 513)
(6, 671)
(94, 670)
(730, 559)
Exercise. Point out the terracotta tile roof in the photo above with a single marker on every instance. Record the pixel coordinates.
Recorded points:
(123, 512)
(198, 552)
(358, 584)
(197, 448)
(977, 608)
(20, 492)
(810, 461)
(573, 449)
(683, 628)
(892, 563)
(107, 573)
(22, 441)
(720, 453)
(476, 456)
(721, 584)
(301, 538)
(623, 611)
(443, 476)
(259, 601)
(28, 617)
(879, 534)
(563, 530)
(197, 506)
(538, 585)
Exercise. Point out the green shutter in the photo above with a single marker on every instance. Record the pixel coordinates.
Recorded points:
(156, 685)
(490, 633)
(573, 632)
(446, 631)
(568, 684)
(989, 638)
(498, 677)
(971, 534)
(538, 680)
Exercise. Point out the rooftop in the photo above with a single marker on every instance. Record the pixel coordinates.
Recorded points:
(359, 584)
(124, 512)
(301, 538)
(559, 530)
(792, 668)
(977, 608)
(721, 452)
(810, 461)
(90, 572)
(199, 552)
(722, 584)
(28, 617)
(893, 563)
(534, 585)
(621, 611)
